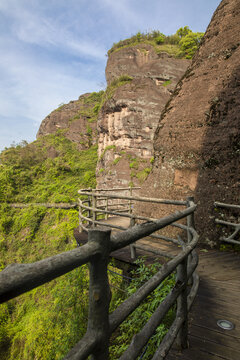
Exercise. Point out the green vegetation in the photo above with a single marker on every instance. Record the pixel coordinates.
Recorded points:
(183, 43)
(116, 161)
(91, 105)
(141, 315)
(138, 170)
(123, 79)
(49, 169)
(107, 148)
(152, 160)
(143, 174)
(134, 164)
(46, 322)
(166, 83)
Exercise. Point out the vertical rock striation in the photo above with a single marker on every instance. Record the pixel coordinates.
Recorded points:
(128, 120)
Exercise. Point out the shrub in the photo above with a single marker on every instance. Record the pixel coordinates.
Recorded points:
(160, 39)
(142, 314)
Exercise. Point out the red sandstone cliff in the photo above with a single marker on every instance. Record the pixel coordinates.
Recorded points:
(76, 120)
(127, 122)
(197, 142)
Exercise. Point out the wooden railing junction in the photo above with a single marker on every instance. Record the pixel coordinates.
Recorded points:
(230, 239)
(17, 279)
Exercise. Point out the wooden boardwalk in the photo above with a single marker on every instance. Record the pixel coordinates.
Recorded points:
(218, 298)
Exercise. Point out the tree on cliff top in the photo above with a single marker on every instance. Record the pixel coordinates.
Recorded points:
(182, 44)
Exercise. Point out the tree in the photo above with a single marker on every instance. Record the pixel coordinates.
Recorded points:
(183, 31)
(189, 43)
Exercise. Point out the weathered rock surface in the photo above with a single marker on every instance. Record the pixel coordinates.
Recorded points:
(73, 120)
(197, 141)
(127, 121)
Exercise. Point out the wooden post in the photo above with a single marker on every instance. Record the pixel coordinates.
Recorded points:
(80, 216)
(94, 215)
(182, 309)
(106, 208)
(132, 246)
(99, 294)
(130, 201)
(191, 224)
(190, 218)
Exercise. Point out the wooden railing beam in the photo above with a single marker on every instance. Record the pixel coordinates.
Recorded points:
(140, 340)
(139, 198)
(129, 305)
(17, 279)
(137, 232)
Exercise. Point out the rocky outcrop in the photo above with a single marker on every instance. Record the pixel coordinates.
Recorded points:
(127, 121)
(76, 120)
(197, 141)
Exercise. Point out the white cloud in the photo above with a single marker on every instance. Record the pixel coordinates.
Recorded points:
(125, 11)
(34, 89)
(33, 26)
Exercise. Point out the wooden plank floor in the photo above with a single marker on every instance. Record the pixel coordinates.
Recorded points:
(218, 298)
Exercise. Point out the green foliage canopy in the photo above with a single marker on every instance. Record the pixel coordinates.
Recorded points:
(183, 43)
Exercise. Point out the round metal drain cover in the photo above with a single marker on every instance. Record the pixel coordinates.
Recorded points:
(225, 324)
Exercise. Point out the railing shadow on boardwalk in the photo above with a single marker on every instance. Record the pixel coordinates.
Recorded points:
(17, 279)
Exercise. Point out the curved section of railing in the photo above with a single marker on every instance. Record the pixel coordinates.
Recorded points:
(234, 237)
(20, 278)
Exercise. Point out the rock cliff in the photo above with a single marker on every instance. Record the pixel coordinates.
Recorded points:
(128, 120)
(197, 141)
(77, 120)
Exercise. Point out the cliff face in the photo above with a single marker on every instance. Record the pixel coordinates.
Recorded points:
(197, 141)
(127, 121)
(77, 120)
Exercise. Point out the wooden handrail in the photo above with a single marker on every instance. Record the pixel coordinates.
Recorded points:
(17, 279)
(137, 198)
(114, 189)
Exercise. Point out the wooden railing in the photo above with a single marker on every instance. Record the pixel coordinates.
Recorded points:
(17, 279)
(101, 203)
(230, 239)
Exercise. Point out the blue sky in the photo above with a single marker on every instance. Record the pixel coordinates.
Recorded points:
(52, 51)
